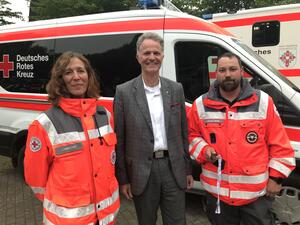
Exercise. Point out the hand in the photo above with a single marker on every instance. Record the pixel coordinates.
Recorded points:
(189, 181)
(273, 188)
(126, 191)
(211, 155)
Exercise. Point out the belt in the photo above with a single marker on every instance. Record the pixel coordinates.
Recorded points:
(159, 154)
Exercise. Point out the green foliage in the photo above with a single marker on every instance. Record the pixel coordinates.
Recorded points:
(49, 9)
(200, 7)
(7, 13)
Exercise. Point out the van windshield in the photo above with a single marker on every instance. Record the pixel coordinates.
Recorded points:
(267, 64)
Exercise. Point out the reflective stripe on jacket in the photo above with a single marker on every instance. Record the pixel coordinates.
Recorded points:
(69, 163)
(250, 138)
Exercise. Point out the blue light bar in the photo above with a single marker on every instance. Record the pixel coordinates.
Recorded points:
(149, 4)
(207, 16)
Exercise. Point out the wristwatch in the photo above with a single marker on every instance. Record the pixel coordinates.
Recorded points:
(278, 180)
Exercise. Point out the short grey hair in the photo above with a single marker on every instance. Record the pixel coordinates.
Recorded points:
(151, 36)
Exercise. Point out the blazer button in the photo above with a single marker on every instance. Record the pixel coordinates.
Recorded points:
(152, 141)
(149, 158)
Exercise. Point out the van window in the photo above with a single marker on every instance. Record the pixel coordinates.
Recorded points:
(112, 56)
(195, 67)
(289, 114)
(26, 65)
(195, 70)
(266, 33)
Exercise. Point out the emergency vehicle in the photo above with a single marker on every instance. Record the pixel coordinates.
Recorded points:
(272, 32)
(28, 51)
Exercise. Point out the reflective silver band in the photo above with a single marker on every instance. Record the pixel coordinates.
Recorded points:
(38, 190)
(200, 145)
(260, 115)
(213, 189)
(108, 219)
(247, 195)
(208, 115)
(288, 161)
(74, 136)
(56, 138)
(64, 212)
(102, 130)
(239, 179)
(108, 201)
(280, 167)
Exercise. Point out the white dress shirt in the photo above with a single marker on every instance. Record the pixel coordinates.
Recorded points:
(155, 105)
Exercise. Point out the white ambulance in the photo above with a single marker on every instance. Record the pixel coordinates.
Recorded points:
(272, 32)
(27, 53)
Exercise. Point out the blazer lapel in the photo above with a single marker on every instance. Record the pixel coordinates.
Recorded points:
(166, 97)
(141, 99)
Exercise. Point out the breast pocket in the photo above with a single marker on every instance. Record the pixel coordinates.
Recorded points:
(252, 131)
(68, 160)
(69, 149)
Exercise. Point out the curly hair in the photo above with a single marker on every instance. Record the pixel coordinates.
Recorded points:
(56, 87)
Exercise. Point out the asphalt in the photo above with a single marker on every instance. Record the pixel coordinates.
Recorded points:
(18, 206)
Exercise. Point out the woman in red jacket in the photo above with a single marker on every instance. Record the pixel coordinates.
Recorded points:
(70, 150)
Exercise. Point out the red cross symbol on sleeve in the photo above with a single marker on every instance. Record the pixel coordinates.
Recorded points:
(35, 144)
(6, 66)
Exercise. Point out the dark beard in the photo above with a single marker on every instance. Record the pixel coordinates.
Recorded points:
(229, 84)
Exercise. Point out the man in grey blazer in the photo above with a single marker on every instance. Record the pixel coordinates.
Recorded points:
(153, 166)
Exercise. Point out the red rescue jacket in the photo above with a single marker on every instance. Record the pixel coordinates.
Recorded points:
(250, 138)
(69, 163)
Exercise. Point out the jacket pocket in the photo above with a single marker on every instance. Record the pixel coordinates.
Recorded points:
(110, 139)
(254, 168)
(70, 196)
(253, 125)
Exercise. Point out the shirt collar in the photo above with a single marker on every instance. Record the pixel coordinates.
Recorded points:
(154, 90)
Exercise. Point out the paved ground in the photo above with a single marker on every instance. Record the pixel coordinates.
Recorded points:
(18, 205)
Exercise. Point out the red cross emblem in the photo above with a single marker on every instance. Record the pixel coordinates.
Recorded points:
(6, 66)
(287, 58)
(35, 144)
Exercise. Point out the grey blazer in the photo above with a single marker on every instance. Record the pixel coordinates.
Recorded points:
(135, 141)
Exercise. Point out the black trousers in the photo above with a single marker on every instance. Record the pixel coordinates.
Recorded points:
(254, 213)
(161, 191)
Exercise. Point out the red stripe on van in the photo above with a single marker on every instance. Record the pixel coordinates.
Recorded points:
(123, 26)
(290, 73)
(23, 96)
(25, 105)
(250, 21)
(293, 133)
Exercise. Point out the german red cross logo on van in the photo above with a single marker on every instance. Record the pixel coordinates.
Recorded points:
(287, 57)
(6, 66)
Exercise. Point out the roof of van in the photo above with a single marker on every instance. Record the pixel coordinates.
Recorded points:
(248, 13)
(113, 22)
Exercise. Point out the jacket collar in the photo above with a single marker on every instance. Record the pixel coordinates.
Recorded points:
(78, 106)
(247, 95)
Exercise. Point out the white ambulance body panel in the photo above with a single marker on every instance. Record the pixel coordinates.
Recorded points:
(284, 52)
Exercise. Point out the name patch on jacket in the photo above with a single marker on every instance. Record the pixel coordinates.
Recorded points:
(35, 144)
(218, 121)
(251, 137)
(68, 148)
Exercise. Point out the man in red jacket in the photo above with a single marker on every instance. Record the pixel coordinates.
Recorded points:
(236, 133)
